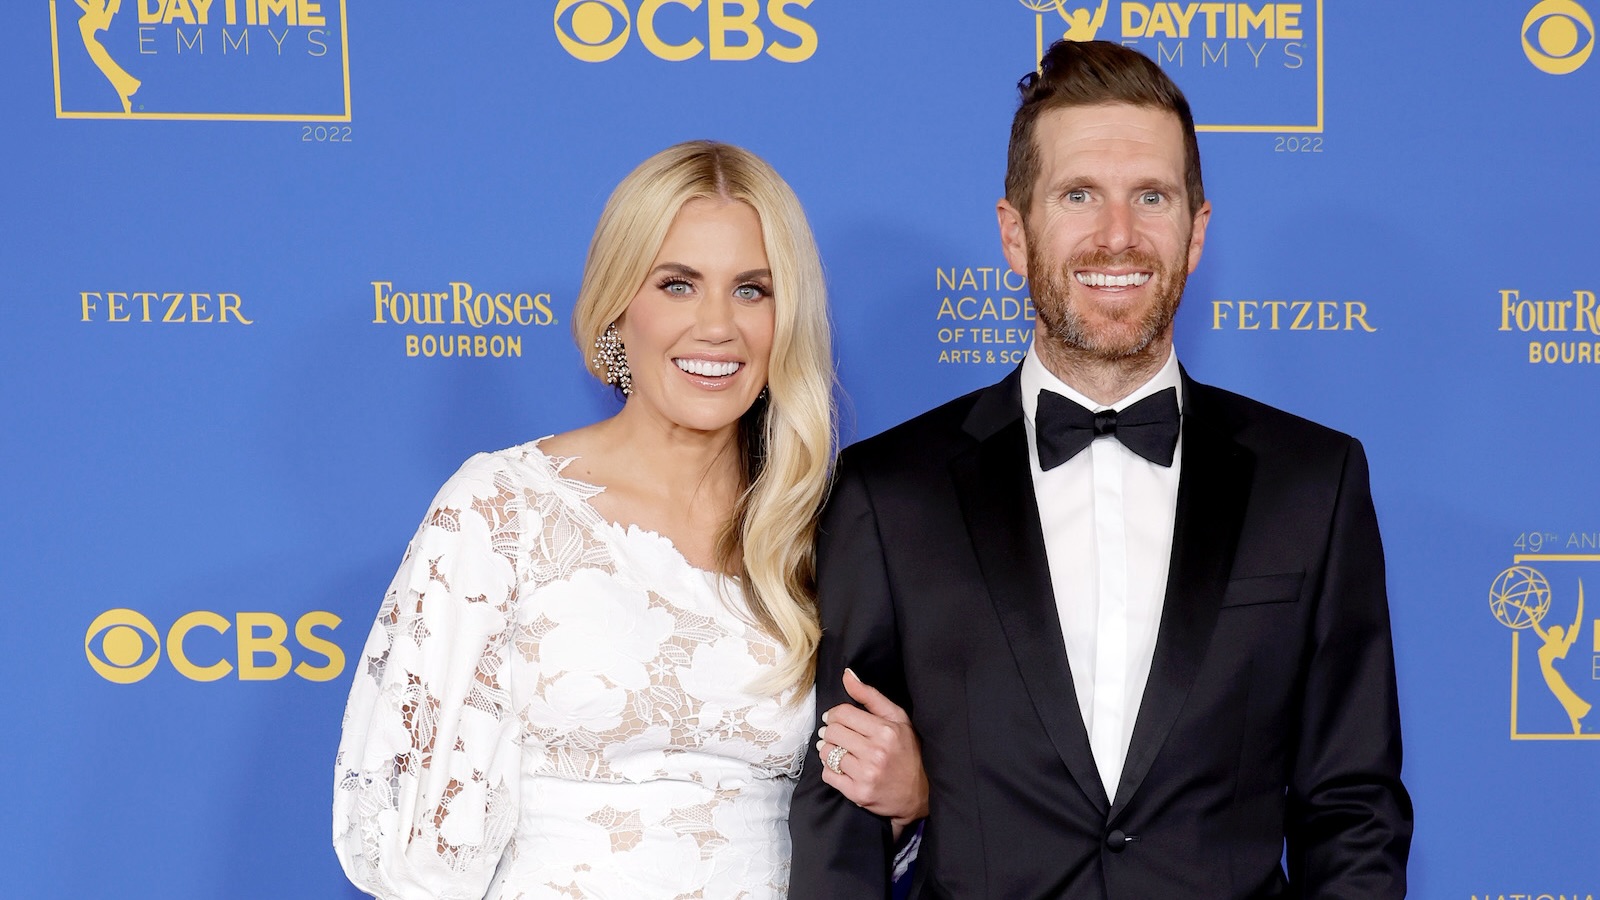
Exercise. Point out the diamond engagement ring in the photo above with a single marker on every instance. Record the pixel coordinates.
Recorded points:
(835, 756)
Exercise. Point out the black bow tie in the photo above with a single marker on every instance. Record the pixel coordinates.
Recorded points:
(1148, 428)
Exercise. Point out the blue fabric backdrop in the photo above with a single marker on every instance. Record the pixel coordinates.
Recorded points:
(327, 250)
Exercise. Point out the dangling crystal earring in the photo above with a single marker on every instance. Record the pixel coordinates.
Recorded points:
(612, 358)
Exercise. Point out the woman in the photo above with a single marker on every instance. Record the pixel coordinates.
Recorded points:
(591, 676)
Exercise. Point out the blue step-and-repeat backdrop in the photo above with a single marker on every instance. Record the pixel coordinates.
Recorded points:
(273, 268)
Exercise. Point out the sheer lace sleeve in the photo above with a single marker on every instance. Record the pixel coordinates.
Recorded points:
(426, 781)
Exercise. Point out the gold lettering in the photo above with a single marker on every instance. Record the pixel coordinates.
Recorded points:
(524, 310)
(178, 9)
(1508, 308)
(806, 46)
(1587, 318)
(461, 297)
(1302, 309)
(1356, 311)
(744, 22)
(197, 308)
(1263, 20)
(225, 306)
(180, 659)
(288, 9)
(1135, 19)
(113, 306)
(1218, 313)
(1161, 24)
(653, 42)
(1327, 315)
(315, 643)
(1289, 22)
(272, 642)
(174, 304)
(89, 307)
(1184, 15)
(546, 316)
(1247, 311)
(310, 13)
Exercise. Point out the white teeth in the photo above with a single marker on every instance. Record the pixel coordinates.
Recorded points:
(1101, 279)
(706, 368)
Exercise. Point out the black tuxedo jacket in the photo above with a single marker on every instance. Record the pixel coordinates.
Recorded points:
(1269, 730)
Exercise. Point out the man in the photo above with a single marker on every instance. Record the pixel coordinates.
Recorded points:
(1147, 652)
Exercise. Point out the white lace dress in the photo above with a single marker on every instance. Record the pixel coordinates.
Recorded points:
(553, 706)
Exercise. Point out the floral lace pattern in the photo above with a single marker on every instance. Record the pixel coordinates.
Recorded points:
(553, 706)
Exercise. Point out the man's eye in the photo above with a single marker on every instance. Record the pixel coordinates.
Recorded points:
(1077, 196)
(1150, 198)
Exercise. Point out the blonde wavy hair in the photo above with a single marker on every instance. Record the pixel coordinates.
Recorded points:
(787, 441)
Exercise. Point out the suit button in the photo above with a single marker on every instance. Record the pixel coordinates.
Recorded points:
(1116, 840)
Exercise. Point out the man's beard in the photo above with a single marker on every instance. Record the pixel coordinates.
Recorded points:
(1067, 328)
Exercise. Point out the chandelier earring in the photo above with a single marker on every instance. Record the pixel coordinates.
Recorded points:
(611, 358)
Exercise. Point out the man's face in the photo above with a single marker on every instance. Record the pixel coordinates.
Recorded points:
(1109, 241)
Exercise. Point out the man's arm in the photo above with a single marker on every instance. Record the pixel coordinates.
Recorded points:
(841, 850)
(1350, 818)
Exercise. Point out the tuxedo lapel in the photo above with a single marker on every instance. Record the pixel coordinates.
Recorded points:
(1213, 491)
(995, 485)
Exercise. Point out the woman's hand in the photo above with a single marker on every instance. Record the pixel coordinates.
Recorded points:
(880, 766)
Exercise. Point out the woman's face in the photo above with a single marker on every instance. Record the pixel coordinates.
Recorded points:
(699, 331)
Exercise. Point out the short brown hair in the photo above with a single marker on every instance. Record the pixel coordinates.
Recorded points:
(1091, 73)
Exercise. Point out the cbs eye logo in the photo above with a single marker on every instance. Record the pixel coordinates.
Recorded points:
(597, 30)
(1557, 36)
(123, 646)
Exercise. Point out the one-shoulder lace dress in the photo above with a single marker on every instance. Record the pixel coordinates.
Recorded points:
(554, 706)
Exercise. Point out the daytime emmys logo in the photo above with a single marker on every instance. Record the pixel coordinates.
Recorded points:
(1522, 599)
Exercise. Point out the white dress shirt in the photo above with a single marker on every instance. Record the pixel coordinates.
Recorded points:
(1107, 515)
